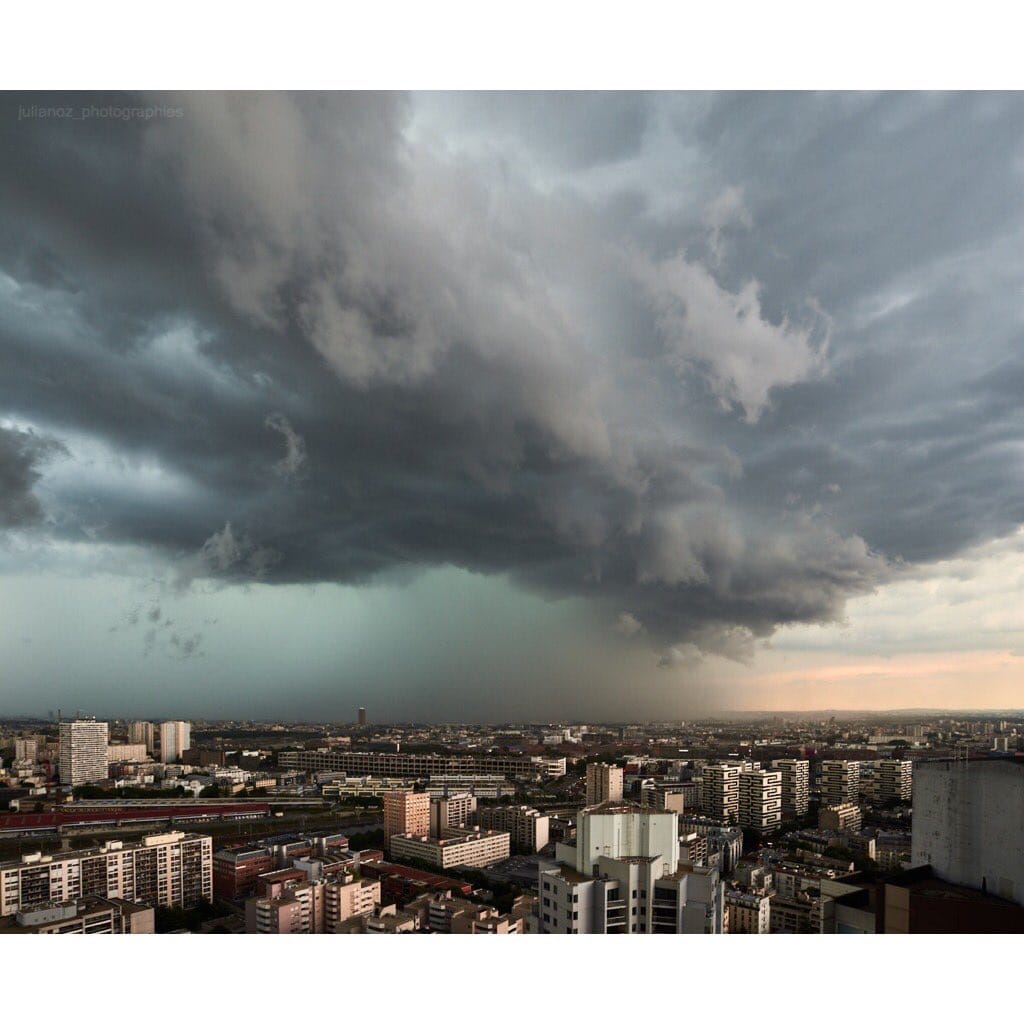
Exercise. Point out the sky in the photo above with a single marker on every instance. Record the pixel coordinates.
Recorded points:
(511, 406)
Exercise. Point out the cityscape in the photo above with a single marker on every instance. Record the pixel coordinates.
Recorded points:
(869, 823)
(565, 512)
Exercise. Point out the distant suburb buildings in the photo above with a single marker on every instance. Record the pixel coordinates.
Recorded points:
(420, 766)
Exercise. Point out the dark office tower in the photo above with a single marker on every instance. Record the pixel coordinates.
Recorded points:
(362, 716)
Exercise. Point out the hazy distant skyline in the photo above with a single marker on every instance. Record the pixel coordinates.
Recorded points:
(511, 406)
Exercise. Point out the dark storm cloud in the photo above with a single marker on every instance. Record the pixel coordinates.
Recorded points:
(743, 356)
(21, 455)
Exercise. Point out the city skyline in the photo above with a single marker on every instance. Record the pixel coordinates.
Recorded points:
(511, 406)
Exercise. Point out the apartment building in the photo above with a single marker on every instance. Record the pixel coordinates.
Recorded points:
(528, 828)
(125, 753)
(449, 915)
(91, 915)
(83, 752)
(297, 906)
(747, 913)
(26, 749)
(406, 813)
(882, 782)
(449, 812)
(604, 783)
(693, 849)
(663, 796)
(143, 732)
(235, 872)
(421, 766)
(839, 782)
(475, 848)
(175, 739)
(629, 896)
(841, 818)
(760, 800)
(720, 792)
(796, 785)
(170, 870)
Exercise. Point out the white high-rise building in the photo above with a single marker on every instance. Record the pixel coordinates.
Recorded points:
(760, 805)
(625, 831)
(624, 877)
(840, 782)
(721, 791)
(796, 785)
(604, 783)
(175, 739)
(83, 752)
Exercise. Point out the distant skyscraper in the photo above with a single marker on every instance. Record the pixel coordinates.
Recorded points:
(83, 752)
(143, 732)
(604, 783)
(362, 716)
(175, 739)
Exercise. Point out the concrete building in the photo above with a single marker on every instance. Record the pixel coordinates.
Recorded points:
(421, 766)
(840, 782)
(26, 749)
(476, 848)
(841, 818)
(886, 781)
(444, 914)
(235, 872)
(747, 913)
(604, 783)
(449, 812)
(693, 849)
(170, 870)
(123, 753)
(796, 785)
(720, 792)
(624, 877)
(663, 796)
(297, 906)
(527, 827)
(83, 752)
(760, 800)
(406, 813)
(969, 823)
(175, 739)
(143, 732)
(361, 717)
(620, 830)
(90, 915)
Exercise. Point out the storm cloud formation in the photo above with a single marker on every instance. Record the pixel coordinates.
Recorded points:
(715, 364)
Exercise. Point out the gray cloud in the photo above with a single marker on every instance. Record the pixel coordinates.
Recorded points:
(295, 447)
(553, 349)
(22, 454)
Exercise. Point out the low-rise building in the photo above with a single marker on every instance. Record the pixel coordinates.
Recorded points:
(461, 847)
